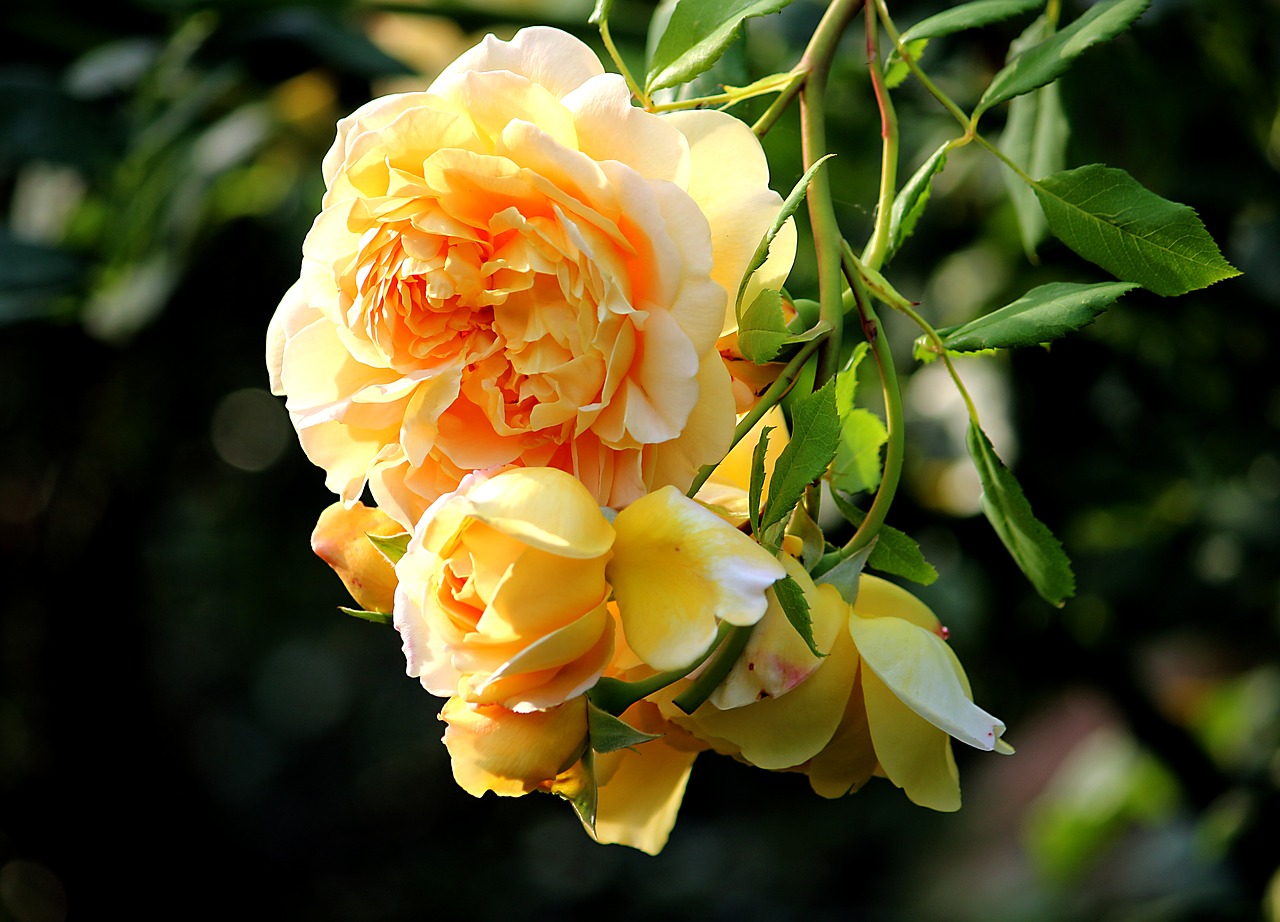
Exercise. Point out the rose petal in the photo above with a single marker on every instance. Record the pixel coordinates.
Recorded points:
(493, 749)
(677, 569)
(921, 669)
(915, 755)
(544, 507)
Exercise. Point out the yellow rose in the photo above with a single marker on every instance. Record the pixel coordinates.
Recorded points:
(519, 267)
(502, 598)
(341, 539)
(511, 753)
(885, 700)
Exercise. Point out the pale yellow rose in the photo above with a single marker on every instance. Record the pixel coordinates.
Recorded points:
(502, 598)
(885, 700)
(519, 267)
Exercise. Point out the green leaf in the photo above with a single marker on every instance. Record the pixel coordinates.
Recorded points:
(909, 203)
(815, 434)
(392, 547)
(968, 16)
(730, 68)
(789, 206)
(896, 68)
(1042, 315)
(1030, 543)
(698, 34)
(755, 487)
(857, 463)
(607, 733)
(762, 329)
(377, 617)
(794, 605)
(1045, 62)
(1110, 219)
(894, 551)
(1035, 137)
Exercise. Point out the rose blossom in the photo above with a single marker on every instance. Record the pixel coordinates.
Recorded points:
(519, 267)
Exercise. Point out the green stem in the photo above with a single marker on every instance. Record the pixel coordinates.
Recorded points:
(692, 698)
(779, 105)
(895, 447)
(1022, 174)
(767, 401)
(867, 279)
(965, 121)
(816, 61)
(878, 246)
(621, 65)
(615, 695)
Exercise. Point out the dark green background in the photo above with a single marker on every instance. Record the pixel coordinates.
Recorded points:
(190, 729)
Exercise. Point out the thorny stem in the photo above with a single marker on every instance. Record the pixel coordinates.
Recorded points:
(816, 62)
(878, 246)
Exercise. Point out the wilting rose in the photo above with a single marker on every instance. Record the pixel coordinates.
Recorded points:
(502, 598)
(519, 267)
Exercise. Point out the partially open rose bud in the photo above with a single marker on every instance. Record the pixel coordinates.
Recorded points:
(341, 539)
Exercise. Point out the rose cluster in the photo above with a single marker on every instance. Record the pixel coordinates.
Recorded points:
(514, 328)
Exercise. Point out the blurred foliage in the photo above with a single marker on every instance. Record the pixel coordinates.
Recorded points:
(185, 716)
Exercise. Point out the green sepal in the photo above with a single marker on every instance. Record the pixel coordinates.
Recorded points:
(815, 435)
(755, 485)
(392, 547)
(1112, 220)
(1045, 62)
(607, 733)
(584, 797)
(894, 551)
(377, 617)
(1028, 540)
(698, 33)
(762, 329)
(1040, 316)
(847, 572)
(796, 607)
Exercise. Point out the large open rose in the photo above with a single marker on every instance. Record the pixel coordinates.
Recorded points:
(518, 266)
